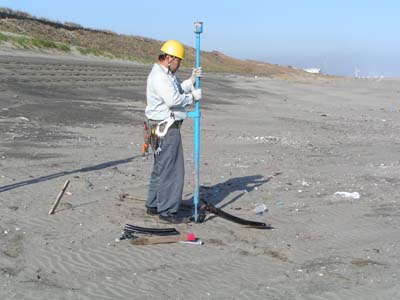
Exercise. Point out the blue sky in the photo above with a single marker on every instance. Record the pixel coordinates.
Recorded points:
(337, 36)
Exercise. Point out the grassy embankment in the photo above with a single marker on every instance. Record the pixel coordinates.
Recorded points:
(33, 43)
(28, 32)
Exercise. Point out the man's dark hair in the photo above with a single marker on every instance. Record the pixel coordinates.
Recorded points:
(162, 56)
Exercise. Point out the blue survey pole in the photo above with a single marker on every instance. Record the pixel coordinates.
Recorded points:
(198, 29)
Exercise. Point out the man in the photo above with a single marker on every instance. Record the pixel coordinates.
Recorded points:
(167, 98)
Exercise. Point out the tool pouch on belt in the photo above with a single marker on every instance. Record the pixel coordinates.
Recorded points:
(146, 138)
(150, 137)
(154, 140)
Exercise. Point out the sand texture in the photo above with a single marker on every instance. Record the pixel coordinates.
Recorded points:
(290, 145)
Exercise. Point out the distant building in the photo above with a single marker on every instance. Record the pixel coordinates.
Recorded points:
(313, 70)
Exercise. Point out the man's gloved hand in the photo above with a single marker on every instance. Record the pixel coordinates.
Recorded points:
(197, 72)
(196, 94)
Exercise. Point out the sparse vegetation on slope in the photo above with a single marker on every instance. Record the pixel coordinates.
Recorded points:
(43, 33)
(26, 42)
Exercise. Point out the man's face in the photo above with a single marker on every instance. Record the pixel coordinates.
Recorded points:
(174, 63)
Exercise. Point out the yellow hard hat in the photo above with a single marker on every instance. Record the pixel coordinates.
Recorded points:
(173, 48)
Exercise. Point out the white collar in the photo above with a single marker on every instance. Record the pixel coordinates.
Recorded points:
(165, 69)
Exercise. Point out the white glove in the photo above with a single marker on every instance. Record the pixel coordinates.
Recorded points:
(196, 94)
(197, 72)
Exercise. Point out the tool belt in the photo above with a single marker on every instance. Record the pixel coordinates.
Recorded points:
(177, 124)
(154, 139)
(154, 123)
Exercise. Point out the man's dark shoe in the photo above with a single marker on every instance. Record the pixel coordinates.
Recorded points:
(174, 219)
(152, 211)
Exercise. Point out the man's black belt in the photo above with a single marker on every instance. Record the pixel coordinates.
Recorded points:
(176, 124)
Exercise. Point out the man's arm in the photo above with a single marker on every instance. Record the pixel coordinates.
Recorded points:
(171, 95)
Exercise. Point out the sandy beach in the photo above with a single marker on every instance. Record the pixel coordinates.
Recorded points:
(290, 145)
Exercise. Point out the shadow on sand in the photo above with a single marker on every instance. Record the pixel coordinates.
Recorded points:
(217, 193)
(65, 173)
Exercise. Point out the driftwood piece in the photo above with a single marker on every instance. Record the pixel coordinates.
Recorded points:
(53, 208)
(163, 239)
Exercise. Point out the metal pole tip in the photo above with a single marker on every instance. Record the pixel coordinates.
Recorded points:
(198, 27)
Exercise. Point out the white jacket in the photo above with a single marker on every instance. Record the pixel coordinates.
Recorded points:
(166, 94)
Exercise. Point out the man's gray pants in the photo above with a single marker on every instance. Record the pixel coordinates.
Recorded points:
(167, 177)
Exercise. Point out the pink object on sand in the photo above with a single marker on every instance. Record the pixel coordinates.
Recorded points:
(191, 237)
